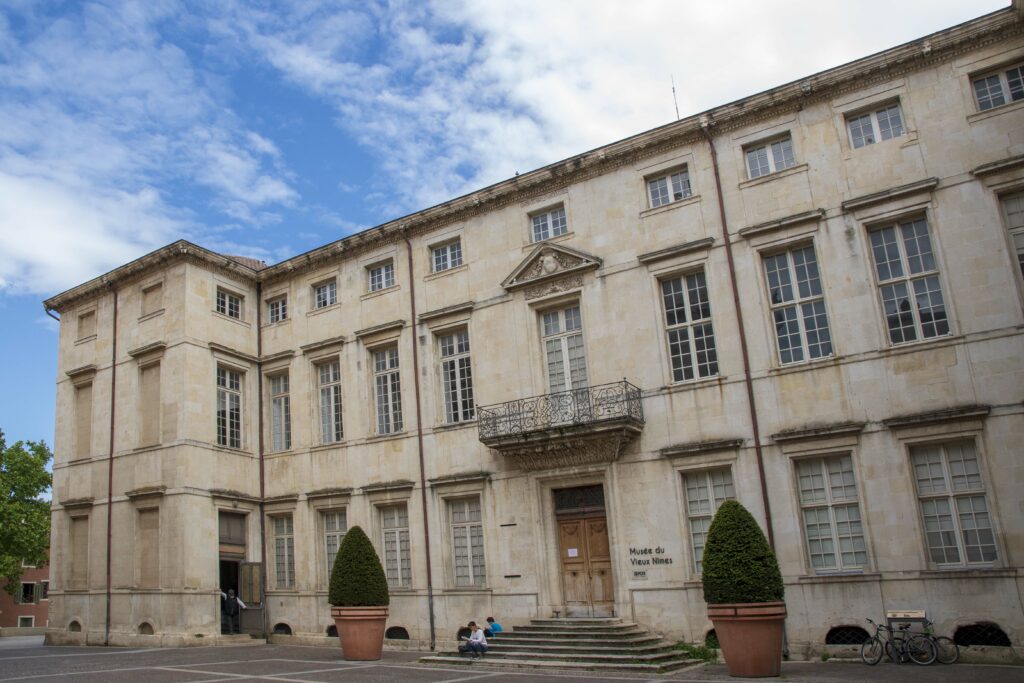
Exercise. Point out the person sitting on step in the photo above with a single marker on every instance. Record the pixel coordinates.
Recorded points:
(475, 643)
(493, 627)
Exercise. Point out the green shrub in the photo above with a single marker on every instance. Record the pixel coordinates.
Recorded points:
(738, 564)
(357, 578)
(701, 652)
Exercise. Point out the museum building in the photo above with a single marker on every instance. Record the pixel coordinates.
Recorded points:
(534, 397)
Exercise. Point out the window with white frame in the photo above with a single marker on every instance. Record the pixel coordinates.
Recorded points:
(229, 304)
(26, 622)
(908, 281)
(284, 551)
(798, 305)
(447, 256)
(329, 382)
(668, 187)
(277, 309)
(381, 276)
(394, 521)
(28, 593)
(280, 413)
(387, 390)
(229, 408)
(998, 88)
(770, 157)
(467, 542)
(563, 349)
(882, 123)
(950, 488)
(831, 514)
(691, 336)
(456, 377)
(1013, 205)
(335, 527)
(548, 224)
(325, 294)
(705, 492)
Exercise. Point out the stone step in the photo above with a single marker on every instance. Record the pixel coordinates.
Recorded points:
(554, 664)
(640, 638)
(654, 646)
(569, 621)
(588, 656)
(577, 630)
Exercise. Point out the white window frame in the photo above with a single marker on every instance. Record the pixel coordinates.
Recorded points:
(283, 528)
(380, 276)
(796, 301)
(469, 569)
(827, 491)
(229, 402)
(1013, 210)
(565, 354)
(456, 376)
(335, 526)
(397, 553)
(277, 309)
(387, 389)
(1005, 84)
(667, 187)
(229, 303)
(900, 293)
(680, 335)
(716, 486)
(549, 223)
(769, 156)
(325, 294)
(446, 256)
(874, 125)
(31, 621)
(280, 412)
(329, 403)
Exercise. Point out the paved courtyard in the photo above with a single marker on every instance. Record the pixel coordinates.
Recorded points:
(27, 659)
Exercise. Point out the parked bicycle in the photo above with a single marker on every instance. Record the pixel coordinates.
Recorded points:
(946, 649)
(899, 644)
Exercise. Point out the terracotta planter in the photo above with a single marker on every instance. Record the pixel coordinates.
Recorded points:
(751, 637)
(361, 631)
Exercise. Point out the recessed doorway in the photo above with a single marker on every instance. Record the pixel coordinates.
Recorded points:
(584, 552)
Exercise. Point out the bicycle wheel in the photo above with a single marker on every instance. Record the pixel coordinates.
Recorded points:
(947, 650)
(921, 650)
(871, 651)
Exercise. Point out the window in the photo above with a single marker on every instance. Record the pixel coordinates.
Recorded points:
(149, 404)
(83, 420)
(668, 188)
(277, 309)
(563, 349)
(394, 520)
(691, 337)
(874, 126)
(549, 224)
(28, 594)
(152, 298)
(828, 498)
(996, 89)
(798, 305)
(705, 492)
(147, 545)
(908, 281)
(957, 526)
(229, 408)
(456, 377)
(284, 551)
(329, 380)
(335, 526)
(447, 256)
(770, 157)
(87, 324)
(388, 390)
(467, 542)
(78, 532)
(26, 622)
(382, 276)
(229, 304)
(325, 294)
(1014, 208)
(280, 413)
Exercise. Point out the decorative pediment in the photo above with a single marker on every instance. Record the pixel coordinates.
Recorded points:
(548, 263)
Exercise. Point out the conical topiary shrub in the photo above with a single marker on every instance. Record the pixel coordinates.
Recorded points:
(738, 565)
(357, 578)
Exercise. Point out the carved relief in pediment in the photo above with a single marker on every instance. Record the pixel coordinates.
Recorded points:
(547, 264)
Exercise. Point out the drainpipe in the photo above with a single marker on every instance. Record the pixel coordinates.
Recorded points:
(110, 461)
(748, 381)
(49, 312)
(419, 437)
(259, 406)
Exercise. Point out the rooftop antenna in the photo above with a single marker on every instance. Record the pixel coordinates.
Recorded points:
(674, 95)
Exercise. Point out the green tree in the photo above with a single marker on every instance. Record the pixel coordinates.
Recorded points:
(738, 564)
(24, 516)
(357, 579)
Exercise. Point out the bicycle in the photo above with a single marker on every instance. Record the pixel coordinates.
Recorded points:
(898, 646)
(946, 649)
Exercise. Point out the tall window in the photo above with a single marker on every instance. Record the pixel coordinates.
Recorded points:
(388, 391)
(705, 492)
(957, 526)
(284, 551)
(28, 593)
(277, 309)
(229, 304)
(280, 413)
(394, 520)
(447, 256)
(149, 404)
(467, 542)
(908, 281)
(883, 123)
(996, 89)
(563, 349)
(335, 526)
(770, 157)
(549, 224)
(329, 380)
(798, 305)
(381, 276)
(1014, 207)
(828, 496)
(325, 294)
(229, 408)
(79, 541)
(457, 377)
(691, 336)
(83, 420)
(669, 187)
(147, 544)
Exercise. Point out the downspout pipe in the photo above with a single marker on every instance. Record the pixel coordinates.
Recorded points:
(419, 439)
(49, 312)
(110, 465)
(748, 380)
(261, 445)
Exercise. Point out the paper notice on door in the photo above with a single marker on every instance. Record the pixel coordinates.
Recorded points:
(573, 552)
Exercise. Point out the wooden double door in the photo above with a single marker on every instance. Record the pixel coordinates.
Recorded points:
(586, 566)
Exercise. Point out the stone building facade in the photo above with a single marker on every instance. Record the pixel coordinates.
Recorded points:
(534, 397)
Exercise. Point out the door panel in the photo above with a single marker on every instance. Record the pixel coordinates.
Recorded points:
(586, 567)
(601, 597)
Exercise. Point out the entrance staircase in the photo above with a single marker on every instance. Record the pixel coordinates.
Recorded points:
(577, 644)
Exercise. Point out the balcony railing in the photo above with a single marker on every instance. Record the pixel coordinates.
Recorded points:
(618, 401)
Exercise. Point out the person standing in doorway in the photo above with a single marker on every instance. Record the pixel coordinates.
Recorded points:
(231, 605)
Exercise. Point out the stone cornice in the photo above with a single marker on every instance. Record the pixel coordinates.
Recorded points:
(82, 372)
(676, 250)
(145, 492)
(397, 485)
(233, 353)
(322, 344)
(918, 187)
(1007, 164)
(818, 432)
(700, 447)
(549, 262)
(157, 347)
(280, 355)
(968, 412)
(782, 223)
(447, 310)
(459, 478)
(383, 327)
(329, 493)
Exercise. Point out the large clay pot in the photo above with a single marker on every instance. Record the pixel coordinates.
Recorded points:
(751, 637)
(361, 631)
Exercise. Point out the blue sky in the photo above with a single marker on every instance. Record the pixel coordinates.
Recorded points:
(266, 129)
